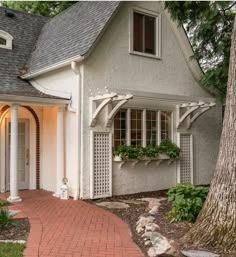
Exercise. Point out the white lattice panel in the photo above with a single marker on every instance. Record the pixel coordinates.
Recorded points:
(186, 161)
(102, 161)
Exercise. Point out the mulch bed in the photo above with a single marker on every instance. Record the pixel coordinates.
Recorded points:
(130, 215)
(18, 230)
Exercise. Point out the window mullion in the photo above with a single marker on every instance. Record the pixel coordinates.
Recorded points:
(158, 127)
(144, 128)
(128, 126)
(143, 24)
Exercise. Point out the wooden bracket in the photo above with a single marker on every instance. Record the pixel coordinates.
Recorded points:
(197, 108)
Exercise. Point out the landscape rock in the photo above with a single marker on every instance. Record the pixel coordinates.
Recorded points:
(113, 205)
(152, 201)
(148, 242)
(154, 209)
(143, 221)
(160, 243)
(139, 229)
(132, 201)
(151, 235)
(151, 227)
(174, 250)
(196, 253)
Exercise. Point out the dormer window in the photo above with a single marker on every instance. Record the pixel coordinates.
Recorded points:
(5, 40)
(145, 32)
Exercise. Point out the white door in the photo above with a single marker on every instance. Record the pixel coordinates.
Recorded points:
(23, 153)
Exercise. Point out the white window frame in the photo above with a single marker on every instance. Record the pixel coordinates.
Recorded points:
(144, 116)
(157, 17)
(8, 38)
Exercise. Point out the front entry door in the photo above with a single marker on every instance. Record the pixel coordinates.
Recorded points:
(23, 153)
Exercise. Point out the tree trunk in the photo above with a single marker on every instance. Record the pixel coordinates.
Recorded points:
(215, 226)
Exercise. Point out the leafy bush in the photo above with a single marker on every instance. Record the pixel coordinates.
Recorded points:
(187, 202)
(5, 217)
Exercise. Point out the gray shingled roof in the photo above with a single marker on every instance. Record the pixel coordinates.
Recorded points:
(25, 29)
(71, 33)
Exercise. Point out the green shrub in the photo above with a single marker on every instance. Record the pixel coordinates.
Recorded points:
(187, 202)
(3, 203)
(5, 217)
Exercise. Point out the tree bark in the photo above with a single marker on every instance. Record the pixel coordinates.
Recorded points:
(215, 226)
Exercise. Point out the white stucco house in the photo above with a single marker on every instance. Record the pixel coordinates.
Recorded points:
(98, 75)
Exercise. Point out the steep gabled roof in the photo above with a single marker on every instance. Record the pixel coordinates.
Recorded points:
(25, 29)
(71, 33)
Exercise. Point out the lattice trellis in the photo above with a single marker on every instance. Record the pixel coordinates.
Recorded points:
(186, 161)
(101, 166)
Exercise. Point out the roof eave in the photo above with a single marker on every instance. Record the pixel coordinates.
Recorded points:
(62, 64)
(33, 100)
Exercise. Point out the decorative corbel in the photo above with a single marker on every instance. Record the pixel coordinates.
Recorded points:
(122, 100)
(106, 99)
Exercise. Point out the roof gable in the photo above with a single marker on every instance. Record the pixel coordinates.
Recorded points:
(71, 33)
(25, 29)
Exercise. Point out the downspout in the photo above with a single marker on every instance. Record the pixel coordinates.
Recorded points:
(76, 68)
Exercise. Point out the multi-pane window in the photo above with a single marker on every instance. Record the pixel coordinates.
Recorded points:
(136, 127)
(144, 33)
(165, 125)
(151, 128)
(120, 128)
(157, 126)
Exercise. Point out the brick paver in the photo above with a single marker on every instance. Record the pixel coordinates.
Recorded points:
(61, 228)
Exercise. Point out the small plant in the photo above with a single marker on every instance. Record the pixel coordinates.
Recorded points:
(170, 148)
(5, 217)
(3, 203)
(136, 153)
(152, 151)
(187, 202)
(129, 152)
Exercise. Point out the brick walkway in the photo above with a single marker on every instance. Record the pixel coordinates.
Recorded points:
(73, 229)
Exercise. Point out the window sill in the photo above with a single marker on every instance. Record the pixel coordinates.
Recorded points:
(145, 160)
(145, 55)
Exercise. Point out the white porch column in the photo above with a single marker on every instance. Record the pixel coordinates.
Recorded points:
(60, 150)
(14, 197)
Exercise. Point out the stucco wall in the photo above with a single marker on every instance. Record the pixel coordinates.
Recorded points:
(62, 80)
(110, 65)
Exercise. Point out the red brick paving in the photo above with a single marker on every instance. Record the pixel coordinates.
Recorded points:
(61, 228)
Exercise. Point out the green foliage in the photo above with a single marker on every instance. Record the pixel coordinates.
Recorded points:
(44, 8)
(170, 148)
(131, 152)
(187, 202)
(128, 152)
(209, 26)
(3, 203)
(152, 151)
(11, 249)
(5, 217)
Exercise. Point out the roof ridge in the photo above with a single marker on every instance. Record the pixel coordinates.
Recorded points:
(65, 10)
